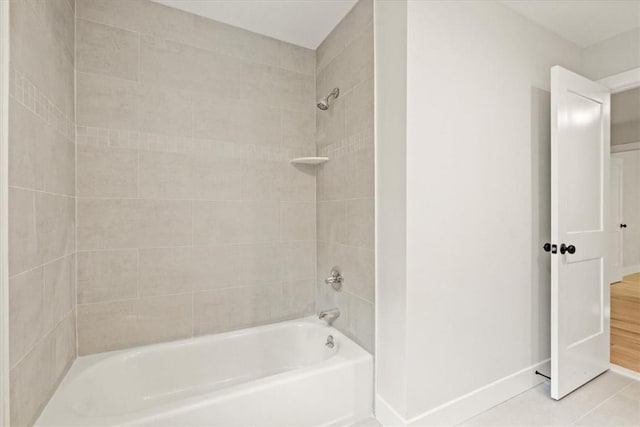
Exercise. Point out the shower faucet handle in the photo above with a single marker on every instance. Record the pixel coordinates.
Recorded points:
(335, 279)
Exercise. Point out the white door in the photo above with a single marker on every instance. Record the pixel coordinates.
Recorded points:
(617, 225)
(580, 129)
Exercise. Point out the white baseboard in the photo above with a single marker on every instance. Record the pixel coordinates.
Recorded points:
(386, 415)
(469, 405)
(625, 372)
(632, 269)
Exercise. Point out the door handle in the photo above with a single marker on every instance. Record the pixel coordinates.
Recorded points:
(623, 225)
(548, 247)
(564, 248)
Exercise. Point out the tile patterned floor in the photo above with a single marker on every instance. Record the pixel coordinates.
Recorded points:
(611, 400)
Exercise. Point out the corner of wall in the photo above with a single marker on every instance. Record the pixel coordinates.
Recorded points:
(390, 18)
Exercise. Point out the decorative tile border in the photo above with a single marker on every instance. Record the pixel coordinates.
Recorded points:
(155, 142)
(352, 144)
(35, 100)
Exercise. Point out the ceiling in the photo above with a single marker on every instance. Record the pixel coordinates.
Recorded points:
(301, 22)
(583, 22)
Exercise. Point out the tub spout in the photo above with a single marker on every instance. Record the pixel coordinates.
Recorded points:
(329, 315)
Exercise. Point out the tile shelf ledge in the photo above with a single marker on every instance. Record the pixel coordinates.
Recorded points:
(309, 160)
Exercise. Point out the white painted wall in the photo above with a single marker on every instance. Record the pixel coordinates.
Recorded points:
(612, 56)
(630, 210)
(390, 18)
(477, 208)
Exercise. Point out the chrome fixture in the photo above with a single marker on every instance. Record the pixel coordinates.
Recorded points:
(330, 342)
(335, 279)
(329, 316)
(323, 104)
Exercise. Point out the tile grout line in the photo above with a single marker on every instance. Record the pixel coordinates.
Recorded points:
(196, 47)
(590, 411)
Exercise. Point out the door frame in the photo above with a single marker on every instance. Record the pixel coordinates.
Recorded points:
(616, 224)
(620, 82)
(4, 227)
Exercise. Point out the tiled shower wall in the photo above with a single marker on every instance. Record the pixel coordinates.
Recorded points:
(190, 218)
(41, 203)
(345, 184)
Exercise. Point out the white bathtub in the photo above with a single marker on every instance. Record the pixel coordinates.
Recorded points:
(274, 375)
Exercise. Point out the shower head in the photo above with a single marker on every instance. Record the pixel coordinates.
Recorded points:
(323, 104)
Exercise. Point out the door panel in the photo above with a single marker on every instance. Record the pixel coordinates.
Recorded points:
(579, 218)
(617, 220)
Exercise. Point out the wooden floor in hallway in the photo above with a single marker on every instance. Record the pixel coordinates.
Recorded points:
(625, 322)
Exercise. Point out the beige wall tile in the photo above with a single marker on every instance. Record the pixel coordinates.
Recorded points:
(177, 270)
(107, 171)
(164, 223)
(32, 382)
(39, 56)
(236, 121)
(59, 290)
(241, 104)
(360, 223)
(234, 41)
(260, 264)
(357, 266)
(165, 111)
(40, 157)
(295, 91)
(59, 17)
(26, 313)
(298, 129)
(165, 175)
(65, 344)
(331, 124)
(59, 168)
(124, 223)
(24, 252)
(142, 16)
(351, 67)
(298, 221)
(107, 102)
(332, 221)
(345, 185)
(107, 275)
(120, 324)
(261, 180)
(331, 179)
(298, 59)
(55, 225)
(359, 116)
(299, 260)
(216, 178)
(217, 223)
(201, 176)
(26, 153)
(107, 50)
(41, 222)
(261, 84)
(233, 308)
(360, 177)
(298, 182)
(361, 322)
(180, 66)
(298, 297)
(350, 176)
(345, 32)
